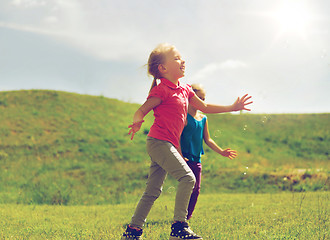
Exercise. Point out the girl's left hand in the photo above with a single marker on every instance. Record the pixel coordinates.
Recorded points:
(229, 153)
(240, 103)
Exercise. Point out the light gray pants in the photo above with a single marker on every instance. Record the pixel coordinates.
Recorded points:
(165, 159)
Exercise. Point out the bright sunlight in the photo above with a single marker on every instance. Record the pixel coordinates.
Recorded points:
(293, 17)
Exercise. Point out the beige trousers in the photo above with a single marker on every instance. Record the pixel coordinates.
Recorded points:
(165, 159)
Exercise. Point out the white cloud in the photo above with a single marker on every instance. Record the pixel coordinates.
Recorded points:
(213, 68)
(16, 2)
(232, 64)
(28, 3)
(51, 19)
(83, 25)
(32, 29)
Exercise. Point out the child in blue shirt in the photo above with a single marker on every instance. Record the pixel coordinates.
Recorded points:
(195, 131)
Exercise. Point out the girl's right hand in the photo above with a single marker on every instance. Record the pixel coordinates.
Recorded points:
(240, 103)
(134, 128)
(229, 153)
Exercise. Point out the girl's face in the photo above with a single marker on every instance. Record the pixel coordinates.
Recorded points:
(174, 64)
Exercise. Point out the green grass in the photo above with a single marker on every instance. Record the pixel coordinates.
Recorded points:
(217, 216)
(68, 149)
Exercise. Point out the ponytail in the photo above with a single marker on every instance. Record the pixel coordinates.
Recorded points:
(154, 84)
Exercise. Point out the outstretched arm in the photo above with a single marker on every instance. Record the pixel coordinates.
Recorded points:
(239, 104)
(149, 104)
(209, 141)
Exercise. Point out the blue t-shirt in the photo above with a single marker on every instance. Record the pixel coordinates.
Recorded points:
(192, 139)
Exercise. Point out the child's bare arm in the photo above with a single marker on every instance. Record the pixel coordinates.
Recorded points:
(239, 104)
(212, 144)
(149, 104)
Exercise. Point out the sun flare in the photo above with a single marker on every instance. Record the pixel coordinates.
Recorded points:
(293, 17)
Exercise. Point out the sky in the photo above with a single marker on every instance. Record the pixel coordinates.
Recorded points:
(276, 51)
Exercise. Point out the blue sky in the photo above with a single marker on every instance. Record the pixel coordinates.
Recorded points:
(277, 51)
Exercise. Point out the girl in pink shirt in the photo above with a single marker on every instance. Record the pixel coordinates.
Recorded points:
(169, 100)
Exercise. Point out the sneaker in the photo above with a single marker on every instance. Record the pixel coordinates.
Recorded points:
(181, 230)
(132, 234)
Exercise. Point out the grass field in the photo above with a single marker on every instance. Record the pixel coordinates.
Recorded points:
(68, 170)
(217, 216)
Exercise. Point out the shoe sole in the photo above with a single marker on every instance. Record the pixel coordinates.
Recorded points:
(126, 238)
(177, 238)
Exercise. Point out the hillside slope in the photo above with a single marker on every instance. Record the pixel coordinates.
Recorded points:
(66, 148)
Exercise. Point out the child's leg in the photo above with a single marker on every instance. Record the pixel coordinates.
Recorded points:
(164, 158)
(197, 170)
(167, 157)
(155, 181)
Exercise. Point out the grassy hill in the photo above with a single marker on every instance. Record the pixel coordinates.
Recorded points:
(65, 148)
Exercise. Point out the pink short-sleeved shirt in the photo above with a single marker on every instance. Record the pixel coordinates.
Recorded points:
(171, 113)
